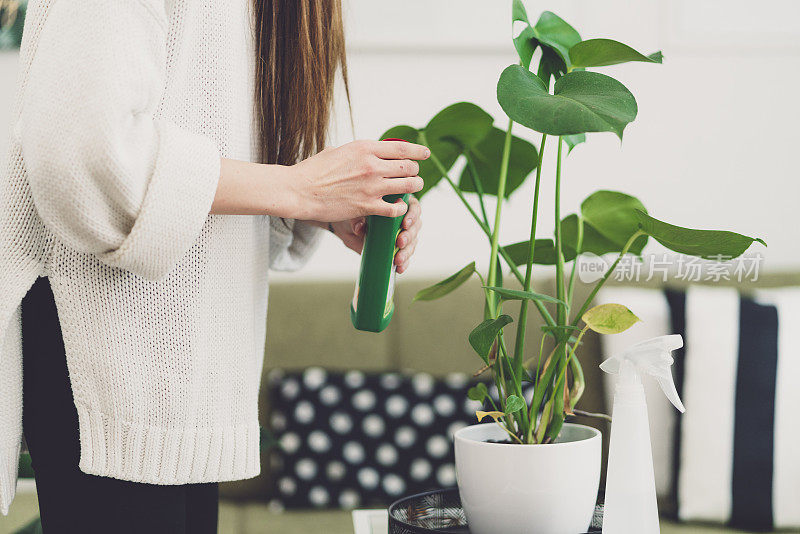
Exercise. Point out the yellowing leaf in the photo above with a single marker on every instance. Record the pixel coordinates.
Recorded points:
(497, 416)
(609, 318)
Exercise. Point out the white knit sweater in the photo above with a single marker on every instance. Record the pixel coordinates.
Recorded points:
(123, 111)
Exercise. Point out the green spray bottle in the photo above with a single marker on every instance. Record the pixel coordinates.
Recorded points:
(373, 302)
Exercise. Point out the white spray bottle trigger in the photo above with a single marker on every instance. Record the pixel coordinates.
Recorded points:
(652, 357)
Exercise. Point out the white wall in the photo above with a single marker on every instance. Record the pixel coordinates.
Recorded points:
(713, 146)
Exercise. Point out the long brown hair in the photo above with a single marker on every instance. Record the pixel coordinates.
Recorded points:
(300, 47)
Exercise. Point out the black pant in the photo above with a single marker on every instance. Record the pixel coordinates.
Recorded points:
(71, 501)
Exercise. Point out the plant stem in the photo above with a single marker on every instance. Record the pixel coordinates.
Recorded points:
(501, 196)
(578, 247)
(541, 387)
(544, 421)
(516, 380)
(562, 312)
(578, 381)
(603, 280)
(502, 391)
(486, 230)
(577, 371)
(531, 414)
(556, 402)
(476, 183)
(519, 347)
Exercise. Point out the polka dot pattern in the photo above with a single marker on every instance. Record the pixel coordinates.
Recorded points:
(348, 440)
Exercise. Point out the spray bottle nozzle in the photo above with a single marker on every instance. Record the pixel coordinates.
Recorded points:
(652, 357)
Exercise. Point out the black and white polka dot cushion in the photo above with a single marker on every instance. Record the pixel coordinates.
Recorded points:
(353, 439)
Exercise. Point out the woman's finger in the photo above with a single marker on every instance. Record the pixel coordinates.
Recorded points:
(359, 226)
(407, 237)
(402, 257)
(407, 243)
(387, 209)
(413, 214)
(401, 186)
(399, 150)
(398, 168)
(403, 268)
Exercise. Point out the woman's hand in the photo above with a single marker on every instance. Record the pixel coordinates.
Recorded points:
(352, 234)
(348, 182)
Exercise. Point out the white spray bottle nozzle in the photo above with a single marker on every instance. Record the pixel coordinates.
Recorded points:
(652, 357)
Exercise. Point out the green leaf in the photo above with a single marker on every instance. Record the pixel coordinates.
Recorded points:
(478, 392)
(708, 244)
(446, 151)
(517, 294)
(518, 12)
(554, 32)
(609, 318)
(555, 37)
(554, 428)
(483, 335)
(456, 126)
(447, 285)
(514, 404)
(544, 251)
(524, 42)
(526, 46)
(402, 131)
(582, 102)
(486, 157)
(593, 241)
(614, 216)
(551, 66)
(573, 140)
(463, 123)
(603, 52)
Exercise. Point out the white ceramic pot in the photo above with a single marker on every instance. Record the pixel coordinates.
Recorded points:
(525, 489)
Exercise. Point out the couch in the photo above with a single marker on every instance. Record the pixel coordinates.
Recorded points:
(309, 325)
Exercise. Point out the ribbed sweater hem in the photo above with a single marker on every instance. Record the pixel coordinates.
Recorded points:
(9, 464)
(166, 456)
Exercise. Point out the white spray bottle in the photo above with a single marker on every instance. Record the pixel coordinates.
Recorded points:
(630, 501)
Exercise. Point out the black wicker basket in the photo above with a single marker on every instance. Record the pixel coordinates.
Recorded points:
(441, 511)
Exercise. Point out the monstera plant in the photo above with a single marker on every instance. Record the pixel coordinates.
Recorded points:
(564, 100)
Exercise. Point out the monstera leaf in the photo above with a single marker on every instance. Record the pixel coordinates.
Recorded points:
(552, 33)
(708, 244)
(582, 102)
(456, 128)
(544, 251)
(614, 216)
(593, 241)
(525, 42)
(448, 285)
(604, 52)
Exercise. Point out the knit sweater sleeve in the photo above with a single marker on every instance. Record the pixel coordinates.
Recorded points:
(291, 243)
(107, 175)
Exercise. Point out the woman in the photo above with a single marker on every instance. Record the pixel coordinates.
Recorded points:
(131, 205)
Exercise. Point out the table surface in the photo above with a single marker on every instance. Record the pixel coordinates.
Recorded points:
(259, 518)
